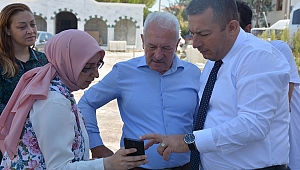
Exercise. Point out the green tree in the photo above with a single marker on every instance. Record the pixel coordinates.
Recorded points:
(259, 7)
(178, 9)
(285, 35)
(265, 35)
(296, 48)
(296, 42)
(148, 3)
(273, 35)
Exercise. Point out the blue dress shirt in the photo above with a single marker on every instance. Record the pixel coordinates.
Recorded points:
(149, 102)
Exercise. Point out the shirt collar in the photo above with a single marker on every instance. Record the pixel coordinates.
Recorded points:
(32, 55)
(239, 41)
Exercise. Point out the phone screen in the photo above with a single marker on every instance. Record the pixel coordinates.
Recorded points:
(134, 143)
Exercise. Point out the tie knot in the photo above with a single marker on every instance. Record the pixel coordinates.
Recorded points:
(218, 63)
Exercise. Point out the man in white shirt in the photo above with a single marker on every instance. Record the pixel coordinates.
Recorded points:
(245, 17)
(294, 98)
(247, 121)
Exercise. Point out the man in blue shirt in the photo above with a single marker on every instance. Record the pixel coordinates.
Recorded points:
(156, 93)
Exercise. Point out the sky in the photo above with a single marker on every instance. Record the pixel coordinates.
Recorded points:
(163, 3)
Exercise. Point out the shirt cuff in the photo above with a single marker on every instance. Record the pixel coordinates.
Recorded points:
(204, 141)
(95, 140)
(98, 164)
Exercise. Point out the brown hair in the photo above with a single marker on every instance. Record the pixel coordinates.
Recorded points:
(7, 56)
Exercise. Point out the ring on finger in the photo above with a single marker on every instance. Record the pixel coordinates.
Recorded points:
(162, 144)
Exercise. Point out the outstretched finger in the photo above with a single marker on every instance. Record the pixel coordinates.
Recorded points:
(157, 137)
(150, 143)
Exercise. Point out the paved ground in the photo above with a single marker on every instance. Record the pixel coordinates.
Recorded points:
(108, 117)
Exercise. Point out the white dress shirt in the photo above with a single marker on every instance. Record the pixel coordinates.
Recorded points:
(248, 119)
(294, 131)
(53, 123)
(294, 156)
(285, 49)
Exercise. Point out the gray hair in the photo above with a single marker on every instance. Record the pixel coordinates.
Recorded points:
(223, 10)
(164, 20)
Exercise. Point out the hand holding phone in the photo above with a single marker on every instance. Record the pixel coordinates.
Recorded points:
(134, 143)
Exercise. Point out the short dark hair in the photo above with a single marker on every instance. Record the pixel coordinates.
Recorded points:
(245, 14)
(223, 10)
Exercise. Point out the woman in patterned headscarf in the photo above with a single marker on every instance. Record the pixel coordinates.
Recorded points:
(41, 126)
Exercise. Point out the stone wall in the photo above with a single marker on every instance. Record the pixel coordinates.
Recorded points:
(90, 15)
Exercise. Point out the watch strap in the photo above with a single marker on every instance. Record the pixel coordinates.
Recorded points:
(192, 146)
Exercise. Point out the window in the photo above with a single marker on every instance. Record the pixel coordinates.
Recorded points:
(49, 35)
(296, 17)
(43, 38)
(279, 5)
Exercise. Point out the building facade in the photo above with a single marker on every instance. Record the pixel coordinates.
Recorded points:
(281, 10)
(106, 22)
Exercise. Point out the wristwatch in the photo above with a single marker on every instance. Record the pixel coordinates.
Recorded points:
(190, 140)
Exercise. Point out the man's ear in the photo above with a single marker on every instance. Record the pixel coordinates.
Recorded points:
(142, 37)
(248, 28)
(233, 27)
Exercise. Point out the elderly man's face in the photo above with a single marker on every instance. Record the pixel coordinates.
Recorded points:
(160, 46)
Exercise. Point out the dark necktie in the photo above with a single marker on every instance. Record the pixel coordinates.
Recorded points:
(195, 156)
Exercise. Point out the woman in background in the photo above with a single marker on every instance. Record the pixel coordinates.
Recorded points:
(17, 34)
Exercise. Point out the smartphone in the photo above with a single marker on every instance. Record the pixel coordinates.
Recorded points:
(134, 143)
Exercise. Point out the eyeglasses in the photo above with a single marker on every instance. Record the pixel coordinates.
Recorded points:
(91, 69)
